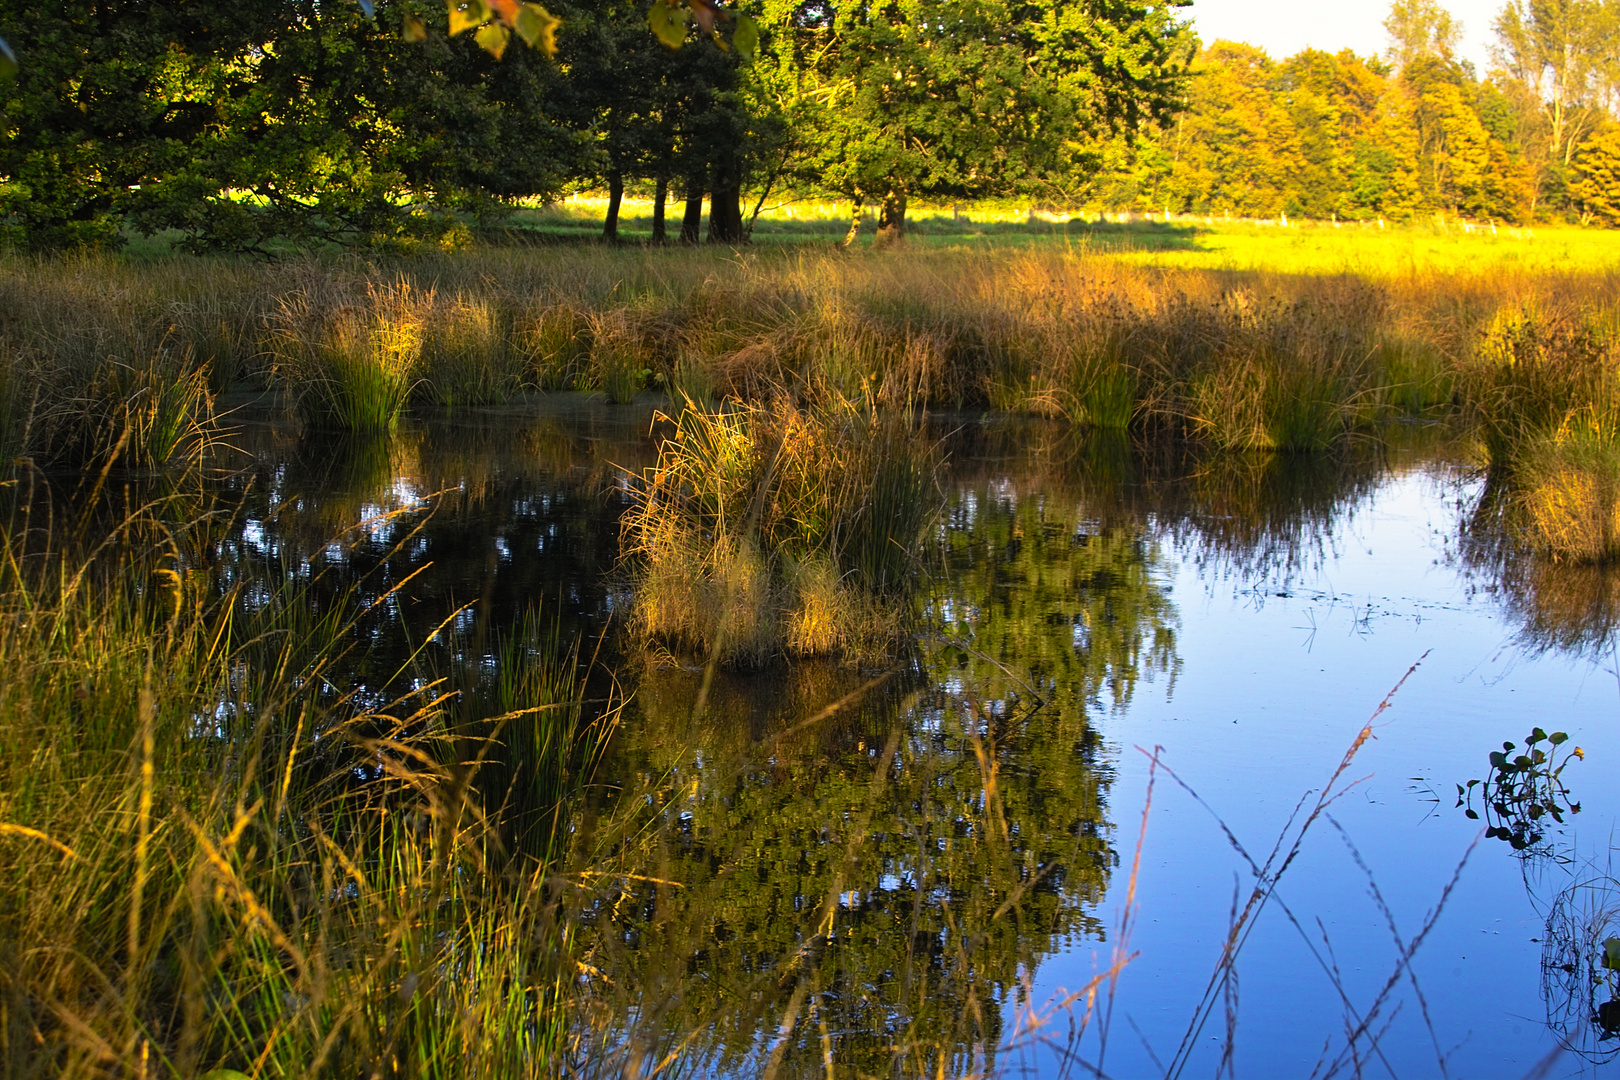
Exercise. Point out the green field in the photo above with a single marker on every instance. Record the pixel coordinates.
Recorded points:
(1299, 247)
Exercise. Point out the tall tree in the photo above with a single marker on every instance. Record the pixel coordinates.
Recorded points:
(1563, 59)
(1420, 29)
(966, 98)
(1597, 179)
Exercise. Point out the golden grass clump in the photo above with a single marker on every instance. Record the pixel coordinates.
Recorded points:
(353, 368)
(1569, 489)
(780, 529)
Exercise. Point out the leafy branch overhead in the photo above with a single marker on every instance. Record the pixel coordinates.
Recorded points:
(494, 22)
(669, 20)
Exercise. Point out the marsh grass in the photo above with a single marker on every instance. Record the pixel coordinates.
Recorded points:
(102, 354)
(1078, 335)
(220, 854)
(1544, 392)
(467, 356)
(780, 528)
(353, 368)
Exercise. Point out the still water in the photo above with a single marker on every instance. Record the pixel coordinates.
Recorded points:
(827, 865)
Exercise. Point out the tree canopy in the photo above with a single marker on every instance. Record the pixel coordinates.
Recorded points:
(300, 121)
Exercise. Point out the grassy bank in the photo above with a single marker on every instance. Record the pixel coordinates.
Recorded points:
(221, 855)
(104, 358)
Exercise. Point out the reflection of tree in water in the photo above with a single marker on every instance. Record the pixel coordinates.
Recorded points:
(1246, 516)
(509, 515)
(886, 875)
(1557, 605)
(1050, 584)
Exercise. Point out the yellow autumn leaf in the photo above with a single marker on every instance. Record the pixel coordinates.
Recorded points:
(538, 27)
(493, 38)
(466, 14)
(415, 29)
(668, 22)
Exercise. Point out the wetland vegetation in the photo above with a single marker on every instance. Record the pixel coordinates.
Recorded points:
(329, 583)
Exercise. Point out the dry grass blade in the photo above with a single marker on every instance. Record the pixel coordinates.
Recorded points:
(1285, 850)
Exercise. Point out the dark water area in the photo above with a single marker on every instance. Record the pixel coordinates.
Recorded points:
(916, 863)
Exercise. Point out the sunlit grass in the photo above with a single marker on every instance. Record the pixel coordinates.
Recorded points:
(216, 856)
(780, 529)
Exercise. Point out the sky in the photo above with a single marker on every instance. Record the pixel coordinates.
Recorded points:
(1283, 27)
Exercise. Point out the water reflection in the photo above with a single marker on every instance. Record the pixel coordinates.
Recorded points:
(1561, 606)
(878, 878)
(880, 859)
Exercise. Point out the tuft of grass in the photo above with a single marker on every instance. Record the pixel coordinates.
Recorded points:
(1568, 484)
(217, 858)
(354, 369)
(619, 363)
(766, 530)
(466, 356)
(555, 342)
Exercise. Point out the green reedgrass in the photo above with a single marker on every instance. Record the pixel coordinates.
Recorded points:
(467, 355)
(354, 368)
(780, 529)
(216, 856)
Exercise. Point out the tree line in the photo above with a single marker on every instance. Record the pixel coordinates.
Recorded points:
(240, 127)
(1415, 131)
(247, 127)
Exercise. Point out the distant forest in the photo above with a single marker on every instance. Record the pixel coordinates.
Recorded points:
(1414, 132)
(253, 127)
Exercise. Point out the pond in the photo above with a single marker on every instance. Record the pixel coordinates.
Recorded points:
(858, 866)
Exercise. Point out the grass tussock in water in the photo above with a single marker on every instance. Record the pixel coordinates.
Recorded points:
(1545, 392)
(777, 529)
(1569, 488)
(217, 856)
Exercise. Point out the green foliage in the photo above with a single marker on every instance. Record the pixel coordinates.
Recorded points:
(960, 98)
(1597, 186)
(1522, 789)
(255, 126)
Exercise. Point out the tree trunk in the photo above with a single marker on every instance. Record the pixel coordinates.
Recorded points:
(660, 196)
(892, 220)
(610, 227)
(693, 218)
(725, 203)
(854, 225)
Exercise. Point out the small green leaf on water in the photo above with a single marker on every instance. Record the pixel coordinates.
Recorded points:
(8, 62)
(746, 37)
(1611, 953)
(668, 22)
